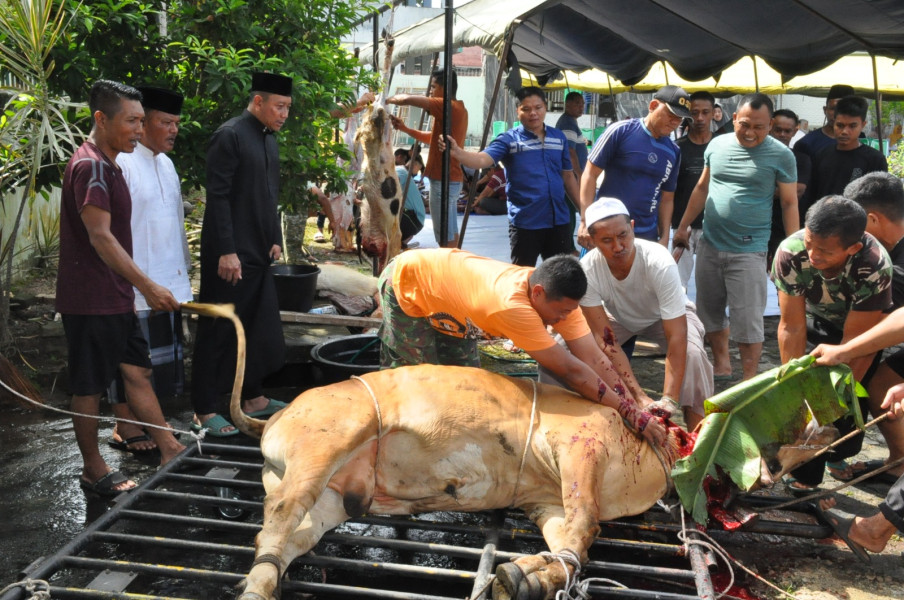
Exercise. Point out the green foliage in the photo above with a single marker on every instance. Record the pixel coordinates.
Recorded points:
(896, 162)
(208, 51)
(754, 418)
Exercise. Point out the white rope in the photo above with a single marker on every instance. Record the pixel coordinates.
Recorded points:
(38, 588)
(198, 436)
(376, 407)
(530, 433)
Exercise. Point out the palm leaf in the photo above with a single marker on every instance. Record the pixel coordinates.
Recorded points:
(755, 418)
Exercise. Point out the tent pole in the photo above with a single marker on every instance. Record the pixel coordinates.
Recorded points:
(447, 128)
(488, 124)
(665, 72)
(756, 75)
(878, 102)
(376, 44)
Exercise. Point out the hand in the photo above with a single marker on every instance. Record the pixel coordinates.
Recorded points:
(159, 298)
(397, 123)
(894, 401)
(681, 237)
(654, 431)
(828, 355)
(392, 100)
(664, 407)
(584, 240)
(365, 99)
(276, 251)
(230, 268)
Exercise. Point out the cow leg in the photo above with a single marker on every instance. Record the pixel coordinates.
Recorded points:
(262, 583)
(540, 577)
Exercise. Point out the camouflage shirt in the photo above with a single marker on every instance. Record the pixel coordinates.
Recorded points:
(864, 284)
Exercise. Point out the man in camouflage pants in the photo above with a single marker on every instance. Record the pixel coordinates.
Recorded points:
(834, 283)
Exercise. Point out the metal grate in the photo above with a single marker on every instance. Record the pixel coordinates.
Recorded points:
(188, 532)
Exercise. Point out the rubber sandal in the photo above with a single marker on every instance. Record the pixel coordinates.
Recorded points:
(841, 522)
(318, 237)
(214, 425)
(104, 486)
(273, 407)
(798, 489)
(123, 445)
(723, 377)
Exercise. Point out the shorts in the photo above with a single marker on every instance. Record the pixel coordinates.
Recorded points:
(736, 280)
(409, 224)
(407, 340)
(895, 361)
(528, 244)
(97, 345)
(436, 208)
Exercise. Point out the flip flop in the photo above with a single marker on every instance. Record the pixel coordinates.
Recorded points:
(800, 489)
(273, 407)
(213, 427)
(841, 523)
(727, 377)
(318, 237)
(123, 445)
(104, 486)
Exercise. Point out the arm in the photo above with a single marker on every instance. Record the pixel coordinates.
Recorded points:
(695, 206)
(887, 333)
(601, 328)
(472, 160)
(410, 100)
(859, 322)
(97, 223)
(571, 187)
(344, 111)
(787, 193)
(675, 355)
(792, 328)
(575, 165)
(421, 136)
(588, 195)
(666, 207)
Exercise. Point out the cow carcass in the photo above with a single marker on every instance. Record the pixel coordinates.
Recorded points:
(382, 207)
(390, 444)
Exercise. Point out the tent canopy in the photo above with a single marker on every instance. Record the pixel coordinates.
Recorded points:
(698, 38)
(740, 78)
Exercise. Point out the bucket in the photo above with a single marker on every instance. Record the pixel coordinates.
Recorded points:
(296, 286)
(340, 358)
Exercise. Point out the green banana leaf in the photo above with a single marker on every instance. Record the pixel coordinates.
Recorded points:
(755, 418)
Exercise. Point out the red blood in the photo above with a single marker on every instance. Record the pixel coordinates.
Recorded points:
(608, 336)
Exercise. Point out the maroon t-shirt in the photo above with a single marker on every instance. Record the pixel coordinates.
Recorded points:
(85, 284)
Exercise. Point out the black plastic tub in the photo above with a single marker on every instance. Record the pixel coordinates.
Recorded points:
(296, 286)
(340, 358)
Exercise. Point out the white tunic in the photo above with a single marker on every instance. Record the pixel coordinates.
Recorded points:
(159, 247)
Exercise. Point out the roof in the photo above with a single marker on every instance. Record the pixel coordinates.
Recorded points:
(698, 38)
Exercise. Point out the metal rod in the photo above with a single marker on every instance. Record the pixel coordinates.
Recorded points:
(878, 102)
(447, 126)
(701, 572)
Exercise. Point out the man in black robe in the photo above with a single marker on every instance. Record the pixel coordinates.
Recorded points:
(239, 239)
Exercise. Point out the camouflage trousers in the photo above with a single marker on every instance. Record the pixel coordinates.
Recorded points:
(410, 340)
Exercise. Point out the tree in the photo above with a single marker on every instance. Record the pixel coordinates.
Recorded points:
(207, 51)
(36, 135)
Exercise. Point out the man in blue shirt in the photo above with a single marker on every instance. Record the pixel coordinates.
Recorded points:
(640, 163)
(538, 171)
(568, 123)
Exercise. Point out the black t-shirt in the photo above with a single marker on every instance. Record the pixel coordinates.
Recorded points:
(692, 165)
(833, 169)
(804, 168)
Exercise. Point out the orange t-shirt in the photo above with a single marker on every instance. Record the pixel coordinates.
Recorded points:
(434, 169)
(470, 296)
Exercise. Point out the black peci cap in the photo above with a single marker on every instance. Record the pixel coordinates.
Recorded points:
(154, 98)
(271, 83)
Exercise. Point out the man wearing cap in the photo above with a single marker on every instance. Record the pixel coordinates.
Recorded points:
(737, 185)
(158, 232)
(640, 163)
(817, 140)
(240, 238)
(95, 293)
(437, 303)
(634, 290)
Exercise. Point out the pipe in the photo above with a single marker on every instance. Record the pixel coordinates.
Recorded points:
(444, 215)
(878, 102)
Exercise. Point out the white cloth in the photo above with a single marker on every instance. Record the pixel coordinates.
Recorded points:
(159, 247)
(651, 292)
(796, 137)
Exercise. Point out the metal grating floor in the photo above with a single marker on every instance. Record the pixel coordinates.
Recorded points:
(188, 532)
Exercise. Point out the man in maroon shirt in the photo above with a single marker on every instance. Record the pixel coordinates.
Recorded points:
(94, 285)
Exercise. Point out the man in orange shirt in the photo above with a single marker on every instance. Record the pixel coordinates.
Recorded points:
(438, 303)
(433, 104)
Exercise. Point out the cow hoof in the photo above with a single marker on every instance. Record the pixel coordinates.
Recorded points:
(512, 584)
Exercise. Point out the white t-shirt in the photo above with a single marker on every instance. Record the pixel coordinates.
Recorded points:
(651, 292)
(159, 247)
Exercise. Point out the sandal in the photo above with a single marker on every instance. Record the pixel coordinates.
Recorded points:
(509, 346)
(273, 407)
(798, 489)
(104, 486)
(125, 445)
(841, 522)
(318, 237)
(214, 427)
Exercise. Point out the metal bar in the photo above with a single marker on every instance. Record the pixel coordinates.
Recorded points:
(444, 215)
(211, 462)
(202, 499)
(701, 571)
(161, 542)
(216, 481)
(878, 102)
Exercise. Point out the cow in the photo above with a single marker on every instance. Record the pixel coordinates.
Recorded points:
(436, 438)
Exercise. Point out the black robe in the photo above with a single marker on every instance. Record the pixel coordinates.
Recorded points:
(240, 217)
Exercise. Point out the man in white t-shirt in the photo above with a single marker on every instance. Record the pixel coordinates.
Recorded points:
(634, 290)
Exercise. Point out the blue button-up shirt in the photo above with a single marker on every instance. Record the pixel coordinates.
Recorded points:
(533, 168)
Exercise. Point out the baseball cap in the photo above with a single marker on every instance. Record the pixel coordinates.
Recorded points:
(678, 101)
(603, 209)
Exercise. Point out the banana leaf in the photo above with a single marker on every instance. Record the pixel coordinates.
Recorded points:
(755, 418)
